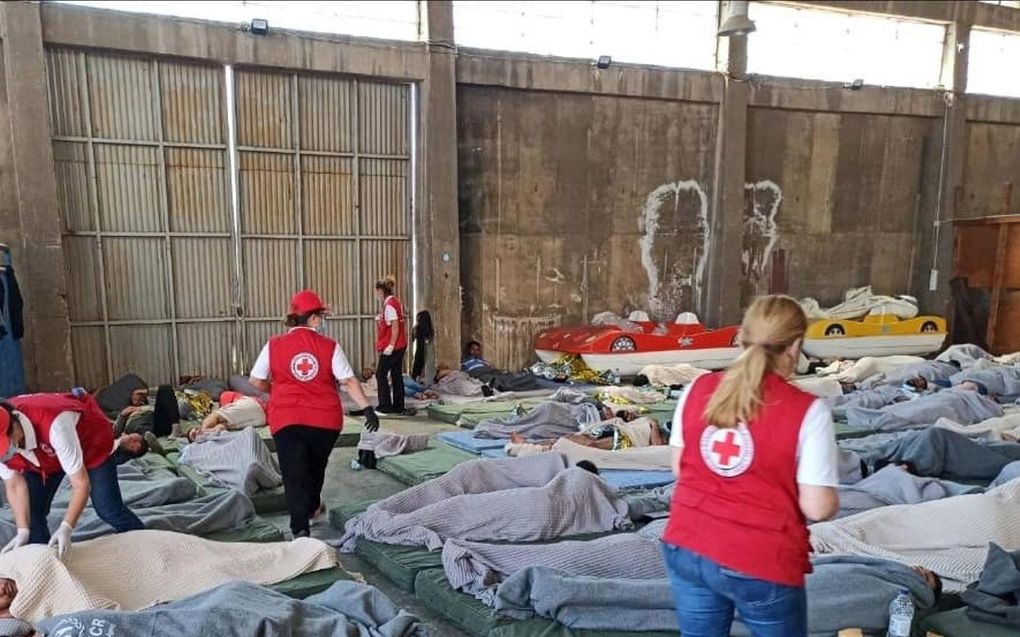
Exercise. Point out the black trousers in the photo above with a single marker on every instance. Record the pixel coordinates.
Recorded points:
(389, 377)
(303, 452)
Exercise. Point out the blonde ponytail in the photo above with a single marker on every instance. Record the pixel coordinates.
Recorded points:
(771, 325)
(387, 284)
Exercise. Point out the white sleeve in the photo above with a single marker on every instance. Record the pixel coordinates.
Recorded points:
(390, 314)
(341, 368)
(64, 438)
(260, 369)
(817, 454)
(6, 473)
(676, 434)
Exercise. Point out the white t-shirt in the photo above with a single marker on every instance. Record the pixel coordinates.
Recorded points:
(63, 438)
(341, 368)
(817, 453)
(389, 311)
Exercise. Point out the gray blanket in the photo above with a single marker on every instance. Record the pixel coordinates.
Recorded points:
(160, 499)
(240, 609)
(993, 598)
(386, 445)
(546, 421)
(946, 454)
(1002, 381)
(477, 568)
(959, 405)
(876, 398)
(893, 485)
(573, 502)
(931, 371)
(235, 460)
(843, 592)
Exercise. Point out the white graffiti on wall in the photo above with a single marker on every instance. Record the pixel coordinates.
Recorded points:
(665, 200)
(761, 232)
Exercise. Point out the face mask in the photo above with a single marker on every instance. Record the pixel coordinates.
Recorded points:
(321, 328)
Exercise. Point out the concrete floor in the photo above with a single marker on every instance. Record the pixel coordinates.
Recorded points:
(344, 484)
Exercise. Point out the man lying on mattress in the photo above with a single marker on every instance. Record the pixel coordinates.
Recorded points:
(236, 411)
(624, 431)
(565, 413)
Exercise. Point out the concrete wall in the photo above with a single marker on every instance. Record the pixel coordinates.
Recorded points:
(576, 203)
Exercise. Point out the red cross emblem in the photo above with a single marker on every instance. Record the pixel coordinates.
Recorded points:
(304, 367)
(728, 451)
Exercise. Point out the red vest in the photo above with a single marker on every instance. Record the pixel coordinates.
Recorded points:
(736, 502)
(95, 433)
(386, 331)
(304, 390)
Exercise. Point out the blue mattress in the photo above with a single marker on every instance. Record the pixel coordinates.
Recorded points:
(466, 440)
(494, 453)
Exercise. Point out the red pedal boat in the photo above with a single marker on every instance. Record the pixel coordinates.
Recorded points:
(629, 345)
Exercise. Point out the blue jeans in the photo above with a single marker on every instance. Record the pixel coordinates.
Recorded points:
(412, 387)
(104, 492)
(706, 596)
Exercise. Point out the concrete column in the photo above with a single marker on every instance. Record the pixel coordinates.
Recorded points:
(721, 305)
(937, 231)
(38, 254)
(438, 227)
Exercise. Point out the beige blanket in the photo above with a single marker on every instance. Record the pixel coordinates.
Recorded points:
(638, 458)
(667, 375)
(949, 537)
(139, 569)
(856, 371)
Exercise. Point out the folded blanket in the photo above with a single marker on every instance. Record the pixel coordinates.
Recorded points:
(386, 444)
(242, 609)
(235, 460)
(949, 537)
(161, 567)
(573, 502)
(959, 405)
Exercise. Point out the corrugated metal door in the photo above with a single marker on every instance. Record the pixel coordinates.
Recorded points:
(324, 183)
(164, 278)
(141, 152)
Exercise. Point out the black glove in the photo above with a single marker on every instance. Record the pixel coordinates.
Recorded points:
(371, 420)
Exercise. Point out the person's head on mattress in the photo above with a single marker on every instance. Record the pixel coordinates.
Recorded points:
(11, 626)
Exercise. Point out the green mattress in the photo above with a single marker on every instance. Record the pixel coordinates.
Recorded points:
(472, 413)
(420, 466)
(258, 530)
(400, 564)
(308, 584)
(342, 513)
(955, 623)
(475, 618)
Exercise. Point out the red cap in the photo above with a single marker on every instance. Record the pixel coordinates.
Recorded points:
(307, 302)
(5, 431)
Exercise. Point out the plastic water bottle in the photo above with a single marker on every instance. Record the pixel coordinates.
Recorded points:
(901, 615)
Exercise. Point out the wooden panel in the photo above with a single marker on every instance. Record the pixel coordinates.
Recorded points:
(975, 254)
(1007, 333)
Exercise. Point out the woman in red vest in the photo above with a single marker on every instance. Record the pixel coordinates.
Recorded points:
(300, 371)
(391, 344)
(755, 458)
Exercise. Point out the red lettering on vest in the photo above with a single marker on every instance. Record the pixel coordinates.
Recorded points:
(304, 391)
(737, 502)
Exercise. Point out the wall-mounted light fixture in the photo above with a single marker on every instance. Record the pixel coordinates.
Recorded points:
(737, 22)
(603, 62)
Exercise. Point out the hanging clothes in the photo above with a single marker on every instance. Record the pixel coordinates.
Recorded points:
(12, 330)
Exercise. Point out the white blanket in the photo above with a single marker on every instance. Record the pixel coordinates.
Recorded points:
(856, 371)
(668, 375)
(135, 570)
(859, 302)
(636, 458)
(949, 537)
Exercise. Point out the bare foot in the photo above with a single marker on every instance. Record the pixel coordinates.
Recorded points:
(516, 438)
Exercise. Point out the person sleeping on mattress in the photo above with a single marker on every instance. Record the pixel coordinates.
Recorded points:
(624, 431)
(11, 626)
(236, 411)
